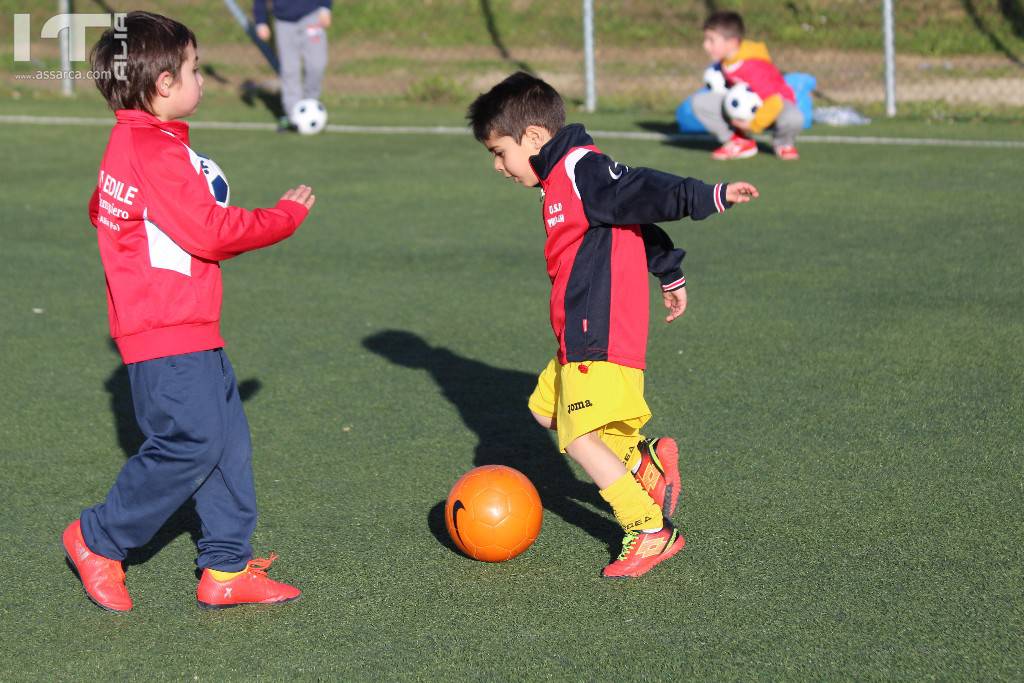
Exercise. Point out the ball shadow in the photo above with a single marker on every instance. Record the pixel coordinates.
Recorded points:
(492, 403)
(437, 526)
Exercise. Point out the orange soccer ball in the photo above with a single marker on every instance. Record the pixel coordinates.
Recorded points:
(493, 513)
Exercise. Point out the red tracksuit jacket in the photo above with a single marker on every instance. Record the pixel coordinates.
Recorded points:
(162, 233)
(601, 244)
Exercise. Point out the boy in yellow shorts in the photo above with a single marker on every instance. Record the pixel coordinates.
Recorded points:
(601, 242)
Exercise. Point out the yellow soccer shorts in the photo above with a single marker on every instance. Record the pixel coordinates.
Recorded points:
(591, 396)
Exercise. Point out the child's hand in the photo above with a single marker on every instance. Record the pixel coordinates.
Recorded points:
(303, 194)
(740, 193)
(263, 32)
(675, 302)
(740, 125)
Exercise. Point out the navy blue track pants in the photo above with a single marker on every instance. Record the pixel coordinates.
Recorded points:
(197, 446)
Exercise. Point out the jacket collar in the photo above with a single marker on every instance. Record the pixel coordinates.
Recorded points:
(573, 135)
(140, 119)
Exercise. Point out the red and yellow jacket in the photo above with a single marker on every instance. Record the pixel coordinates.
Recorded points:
(753, 65)
(162, 234)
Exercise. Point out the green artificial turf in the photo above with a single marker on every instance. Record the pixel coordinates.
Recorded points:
(846, 388)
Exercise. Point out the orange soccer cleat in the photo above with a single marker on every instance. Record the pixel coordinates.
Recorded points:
(642, 550)
(102, 578)
(658, 472)
(251, 587)
(738, 147)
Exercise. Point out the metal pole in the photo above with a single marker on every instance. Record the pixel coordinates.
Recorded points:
(67, 86)
(588, 55)
(890, 59)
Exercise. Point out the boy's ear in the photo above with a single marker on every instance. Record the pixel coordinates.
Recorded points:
(535, 137)
(163, 83)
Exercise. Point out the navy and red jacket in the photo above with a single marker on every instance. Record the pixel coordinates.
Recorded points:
(601, 243)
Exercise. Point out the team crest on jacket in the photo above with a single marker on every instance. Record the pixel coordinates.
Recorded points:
(216, 179)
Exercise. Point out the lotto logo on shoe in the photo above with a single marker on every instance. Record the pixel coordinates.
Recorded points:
(650, 546)
(649, 479)
(580, 405)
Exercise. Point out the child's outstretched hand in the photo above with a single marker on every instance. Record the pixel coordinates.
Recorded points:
(303, 194)
(740, 193)
(675, 302)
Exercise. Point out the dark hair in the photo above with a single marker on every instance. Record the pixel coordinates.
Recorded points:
(519, 101)
(131, 55)
(729, 24)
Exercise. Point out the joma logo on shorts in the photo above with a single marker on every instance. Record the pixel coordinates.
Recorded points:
(579, 405)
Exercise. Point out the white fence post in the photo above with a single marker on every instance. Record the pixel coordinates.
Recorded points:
(590, 103)
(890, 59)
(67, 86)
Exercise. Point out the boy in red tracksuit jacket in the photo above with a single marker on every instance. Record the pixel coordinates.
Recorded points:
(163, 224)
(746, 61)
(601, 243)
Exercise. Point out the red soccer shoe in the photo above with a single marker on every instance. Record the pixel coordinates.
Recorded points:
(787, 153)
(738, 147)
(102, 578)
(251, 587)
(641, 551)
(658, 472)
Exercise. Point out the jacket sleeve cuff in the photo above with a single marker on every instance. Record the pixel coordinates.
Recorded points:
(718, 194)
(297, 212)
(672, 281)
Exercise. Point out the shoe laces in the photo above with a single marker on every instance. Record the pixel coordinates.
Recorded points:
(627, 544)
(647, 449)
(260, 565)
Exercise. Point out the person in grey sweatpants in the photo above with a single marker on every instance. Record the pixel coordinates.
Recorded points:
(301, 37)
(707, 107)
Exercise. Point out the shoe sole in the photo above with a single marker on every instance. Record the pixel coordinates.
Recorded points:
(74, 568)
(670, 462)
(212, 607)
(676, 547)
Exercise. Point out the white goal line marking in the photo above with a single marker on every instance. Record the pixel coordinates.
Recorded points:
(457, 130)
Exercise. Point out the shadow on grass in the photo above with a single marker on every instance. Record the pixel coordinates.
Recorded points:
(496, 39)
(253, 93)
(1014, 16)
(492, 403)
(130, 439)
(438, 527)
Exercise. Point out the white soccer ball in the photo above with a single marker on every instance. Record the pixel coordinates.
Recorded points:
(216, 179)
(714, 79)
(741, 103)
(309, 116)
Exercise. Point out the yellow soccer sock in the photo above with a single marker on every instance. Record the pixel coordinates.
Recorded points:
(624, 447)
(632, 506)
(224, 576)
